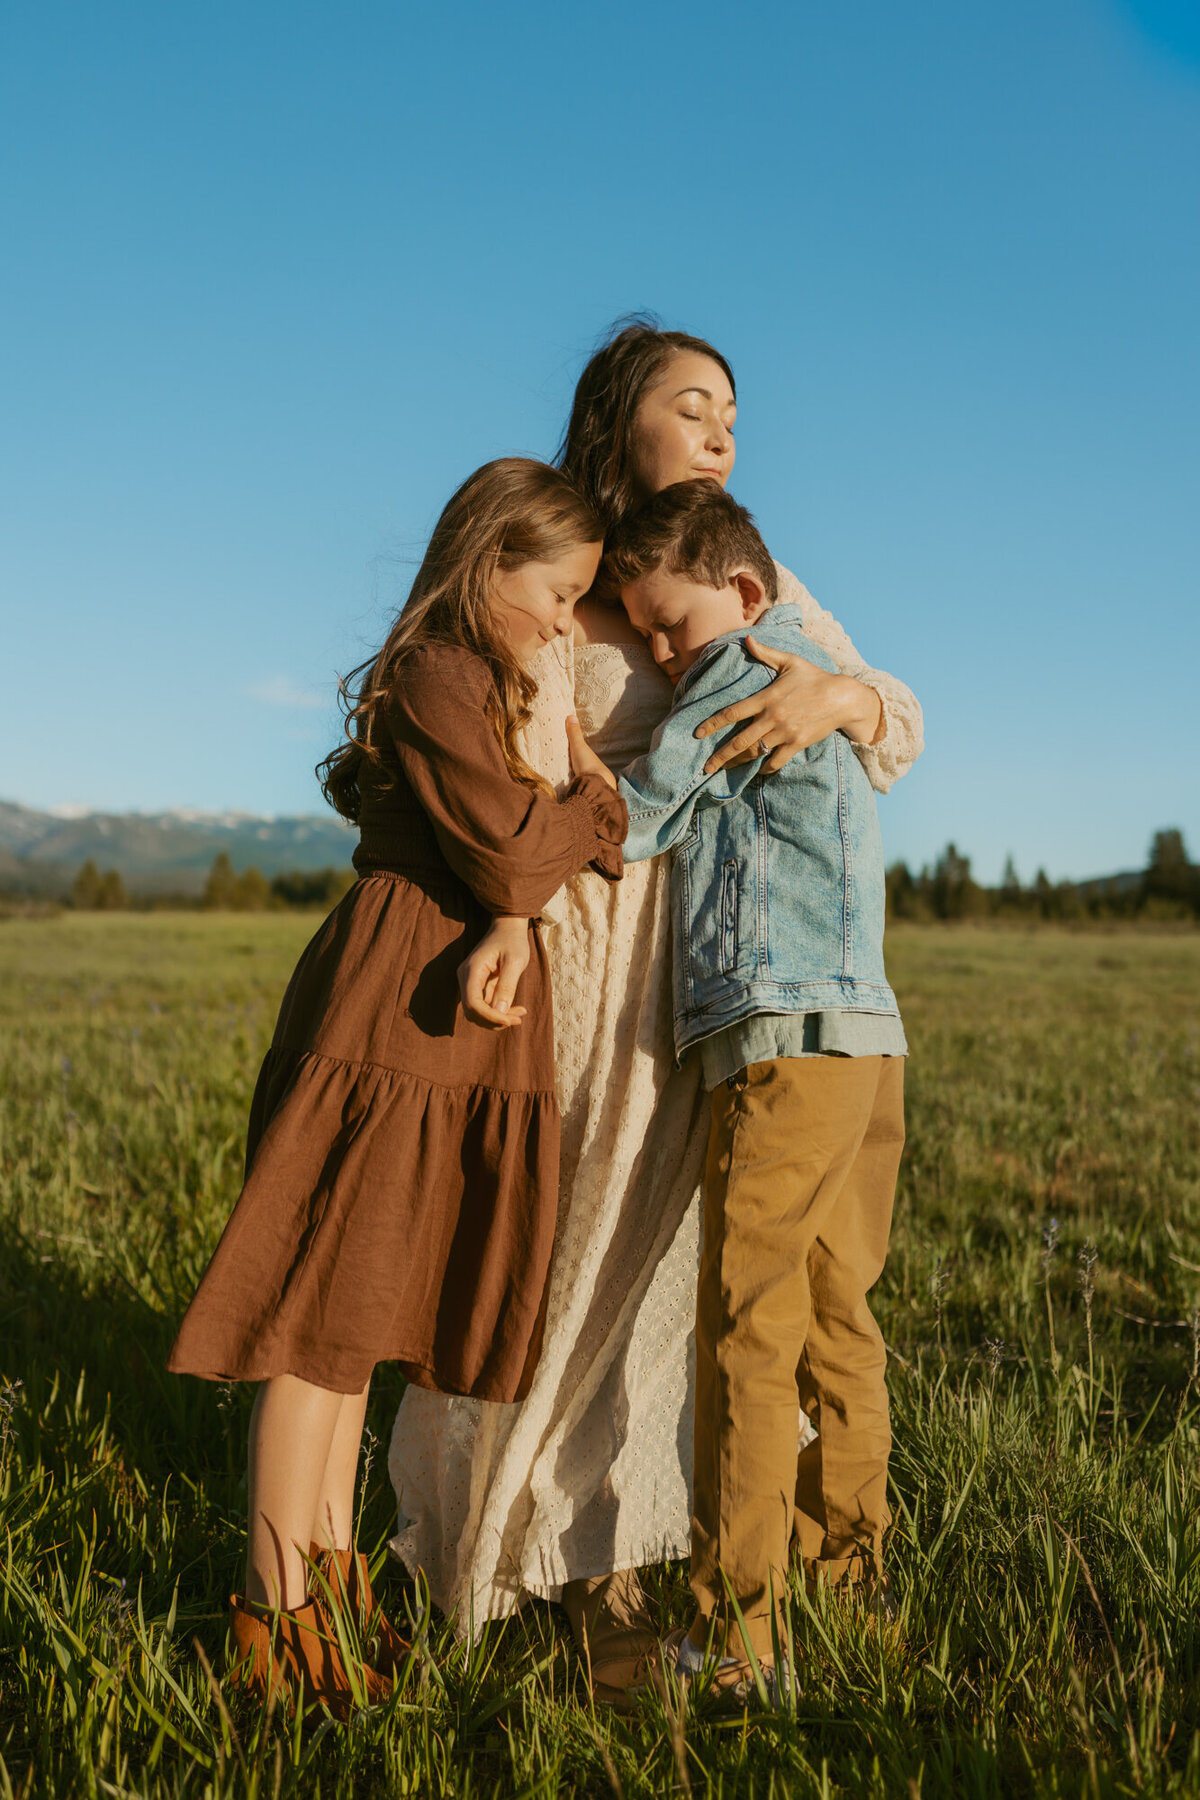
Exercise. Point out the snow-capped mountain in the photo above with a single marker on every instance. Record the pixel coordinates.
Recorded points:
(43, 850)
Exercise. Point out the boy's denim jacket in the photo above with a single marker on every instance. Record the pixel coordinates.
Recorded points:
(777, 888)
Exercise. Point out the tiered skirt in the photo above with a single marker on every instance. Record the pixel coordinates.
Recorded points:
(401, 1169)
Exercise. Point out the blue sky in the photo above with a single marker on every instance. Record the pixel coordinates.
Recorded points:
(279, 276)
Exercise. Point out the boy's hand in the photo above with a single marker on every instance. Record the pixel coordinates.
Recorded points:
(584, 760)
(487, 981)
(800, 707)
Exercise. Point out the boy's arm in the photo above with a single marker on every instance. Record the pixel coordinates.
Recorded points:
(663, 788)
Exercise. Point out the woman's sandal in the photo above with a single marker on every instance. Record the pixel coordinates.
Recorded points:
(292, 1654)
(615, 1635)
(347, 1577)
(620, 1685)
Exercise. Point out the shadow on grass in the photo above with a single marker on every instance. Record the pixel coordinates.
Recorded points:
(97, 1411)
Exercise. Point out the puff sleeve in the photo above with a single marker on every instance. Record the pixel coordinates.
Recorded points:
(511, 845)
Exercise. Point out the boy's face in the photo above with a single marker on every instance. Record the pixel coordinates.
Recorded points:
(680, 617)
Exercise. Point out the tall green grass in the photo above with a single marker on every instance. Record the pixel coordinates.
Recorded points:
(1042, 1307)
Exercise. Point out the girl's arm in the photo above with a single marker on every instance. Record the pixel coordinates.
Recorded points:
(512, 846)
(487, 981)
(804, 704)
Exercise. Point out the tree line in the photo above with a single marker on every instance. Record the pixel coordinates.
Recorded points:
(1167, 888)
(225, 890)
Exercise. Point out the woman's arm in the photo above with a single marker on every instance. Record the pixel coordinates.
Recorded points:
(511, 845)
(900, 737)
(804, 703)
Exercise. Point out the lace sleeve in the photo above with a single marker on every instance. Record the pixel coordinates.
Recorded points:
(902, 737)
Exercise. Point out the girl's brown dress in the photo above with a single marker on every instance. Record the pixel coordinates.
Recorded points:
(402, 1164)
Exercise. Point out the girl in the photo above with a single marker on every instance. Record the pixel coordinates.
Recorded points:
(565, 1495)
(402, 1165)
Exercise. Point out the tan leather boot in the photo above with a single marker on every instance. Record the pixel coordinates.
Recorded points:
(294, 1653)
(349, 1582)
(312, 1648)
(257, 1670)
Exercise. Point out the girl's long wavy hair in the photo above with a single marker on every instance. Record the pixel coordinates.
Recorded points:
(597, 446)
(510, 512)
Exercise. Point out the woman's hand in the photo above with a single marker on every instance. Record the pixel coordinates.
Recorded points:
(584, 760)
(487, 981)
(800, 707)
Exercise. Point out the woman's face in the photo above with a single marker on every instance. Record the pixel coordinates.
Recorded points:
(683, 427)
(536, 601)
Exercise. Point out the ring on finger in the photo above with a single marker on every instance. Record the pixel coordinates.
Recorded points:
(763, 747)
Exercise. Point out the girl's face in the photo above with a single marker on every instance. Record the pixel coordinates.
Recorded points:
(536, 602)
(683, 427)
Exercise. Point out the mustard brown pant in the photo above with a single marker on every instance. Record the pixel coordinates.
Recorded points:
(802, 1160)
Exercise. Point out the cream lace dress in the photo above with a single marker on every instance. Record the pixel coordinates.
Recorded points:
(592, 1471)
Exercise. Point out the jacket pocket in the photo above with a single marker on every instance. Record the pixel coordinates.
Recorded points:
(729, 917)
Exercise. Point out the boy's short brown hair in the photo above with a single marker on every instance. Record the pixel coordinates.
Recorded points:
(695, 529)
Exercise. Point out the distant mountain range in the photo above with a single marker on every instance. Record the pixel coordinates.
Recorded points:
(41, 852)
(172, 852)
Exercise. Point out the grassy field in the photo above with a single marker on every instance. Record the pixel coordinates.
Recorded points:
(1042, 1305)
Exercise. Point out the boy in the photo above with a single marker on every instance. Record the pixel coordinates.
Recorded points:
(777, 896)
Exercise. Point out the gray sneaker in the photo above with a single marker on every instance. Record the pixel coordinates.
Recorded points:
(730, 1682)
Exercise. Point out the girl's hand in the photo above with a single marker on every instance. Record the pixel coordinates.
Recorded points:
(584, 760)
(800, 707)
(487, 981)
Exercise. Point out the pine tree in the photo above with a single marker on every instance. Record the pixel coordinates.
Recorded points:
(252, 892)
(112, 896)
(85, 889)
(1170, 876)
(954, 894)
(220, 890)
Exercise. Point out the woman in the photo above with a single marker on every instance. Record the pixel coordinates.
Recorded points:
(567, 1494)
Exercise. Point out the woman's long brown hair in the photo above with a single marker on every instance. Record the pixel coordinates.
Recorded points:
(510, 512)
(597, 446)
